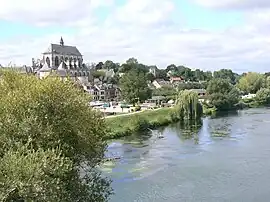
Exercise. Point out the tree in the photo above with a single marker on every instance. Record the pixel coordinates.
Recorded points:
(110, 65)
(251, 82)
(134, 86)
(171, 67)
(161, 74)
(267, 82)
(150, 77)
(208, 75)
(47, 116)
(188, 106)
(263, 96)
(99, 65)
(222, 94)
(132, 61)
(225, 74)
(165, 91)
(30, 175)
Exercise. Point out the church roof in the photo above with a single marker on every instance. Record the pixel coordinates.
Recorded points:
(63, 50)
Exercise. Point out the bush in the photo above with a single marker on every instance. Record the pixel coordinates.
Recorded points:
(51, 114)
(31, 175)
(123, 125)
(263, 96)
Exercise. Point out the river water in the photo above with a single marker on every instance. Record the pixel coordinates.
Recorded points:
(195, 164)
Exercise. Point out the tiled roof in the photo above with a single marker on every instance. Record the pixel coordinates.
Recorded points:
(64, 50)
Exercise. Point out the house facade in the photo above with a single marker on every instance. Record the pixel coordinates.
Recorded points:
(103, 92)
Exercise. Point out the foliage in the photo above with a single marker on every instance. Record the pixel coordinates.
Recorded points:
(251, 82)
(29, 175)
(134, 86)
(99, 74)
(263, 96)
(192, 85)
(222, 94)
(150, 77)
(164, 91)
(226, 74)
(110, 65)
(50, 114)
(188, 105)
(122, 125)
(161, 74)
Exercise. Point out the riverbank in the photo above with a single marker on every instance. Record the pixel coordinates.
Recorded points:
(120, 126)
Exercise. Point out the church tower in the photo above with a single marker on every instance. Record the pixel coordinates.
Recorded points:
(61, 42)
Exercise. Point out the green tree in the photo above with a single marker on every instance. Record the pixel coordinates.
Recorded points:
(188, 106)
(263, 96)
(99, 65)
(164, 91)
(222, 94)
(51, 114)
(251, 82)
(150, 77)
(225, 74)
(267, 82)
(132, 61)
(34, 175)
(110, 65)
(134, 86)
(162, 74)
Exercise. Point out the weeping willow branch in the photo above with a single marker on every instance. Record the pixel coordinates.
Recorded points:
(188, 106)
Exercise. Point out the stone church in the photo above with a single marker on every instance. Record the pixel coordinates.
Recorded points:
(65, 61)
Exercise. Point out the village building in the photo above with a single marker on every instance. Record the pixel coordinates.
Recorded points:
(159, 83)
(64, 61)
(104, 92)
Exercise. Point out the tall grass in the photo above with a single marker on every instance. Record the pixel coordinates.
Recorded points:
(126, 125)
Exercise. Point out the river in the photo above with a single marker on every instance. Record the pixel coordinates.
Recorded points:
(192, 164)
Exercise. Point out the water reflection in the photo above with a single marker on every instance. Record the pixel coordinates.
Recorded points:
(188, 158)
(188, 129)
(144, 154)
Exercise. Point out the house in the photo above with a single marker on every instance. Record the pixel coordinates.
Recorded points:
(176, 80)
(103, 92)
(156, 100)
(159, 83)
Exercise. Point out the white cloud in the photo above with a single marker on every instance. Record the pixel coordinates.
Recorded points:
(48, 12)
(146, 30)
(234, 4)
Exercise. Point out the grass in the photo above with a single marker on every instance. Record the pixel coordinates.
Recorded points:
(126, 125)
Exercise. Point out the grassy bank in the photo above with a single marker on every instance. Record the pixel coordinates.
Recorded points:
(126, 125)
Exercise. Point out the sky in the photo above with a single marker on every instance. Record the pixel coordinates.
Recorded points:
(204, 34)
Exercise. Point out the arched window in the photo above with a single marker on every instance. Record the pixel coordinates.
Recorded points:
(87, 73)
(75, 74)
(79, 74)
(56, 61)
(80, 63)
(84, 74)
(70, 62)
(48, 61)
(75, 63)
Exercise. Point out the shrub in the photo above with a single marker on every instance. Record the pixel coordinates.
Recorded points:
(51, 114)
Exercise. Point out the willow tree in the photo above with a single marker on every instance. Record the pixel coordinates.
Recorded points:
(188, 106)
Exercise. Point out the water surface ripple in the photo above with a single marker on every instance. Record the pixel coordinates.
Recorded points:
(192, 164)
